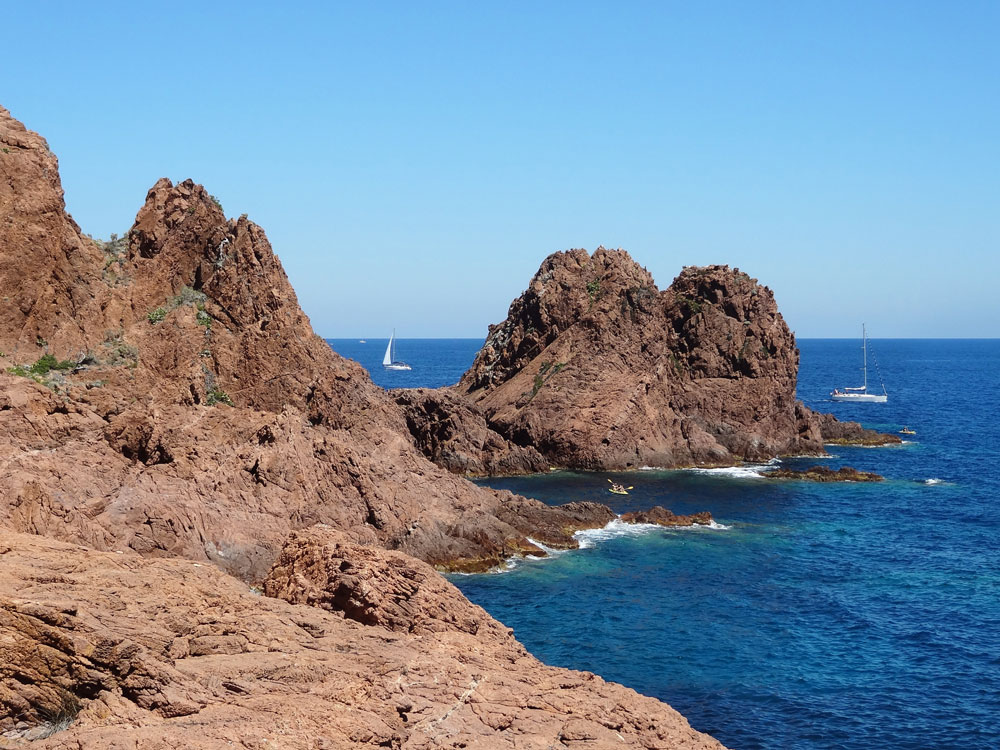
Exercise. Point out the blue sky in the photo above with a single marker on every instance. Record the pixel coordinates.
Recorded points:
(413, 163)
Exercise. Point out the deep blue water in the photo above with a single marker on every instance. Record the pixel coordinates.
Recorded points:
(824, 616)
(435, 362)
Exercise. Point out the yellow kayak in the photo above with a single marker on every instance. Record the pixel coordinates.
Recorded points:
(618, 489)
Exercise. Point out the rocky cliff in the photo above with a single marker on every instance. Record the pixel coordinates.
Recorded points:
(596, 368)
(164, 403)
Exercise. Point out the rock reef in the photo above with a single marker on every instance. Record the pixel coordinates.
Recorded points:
(825, 474)
(596, 368)
(171, 429)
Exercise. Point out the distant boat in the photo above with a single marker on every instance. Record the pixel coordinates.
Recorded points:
(362, 341)
(389, 361)
(860, 395)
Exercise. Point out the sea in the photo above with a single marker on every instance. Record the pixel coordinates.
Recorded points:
(812, 615)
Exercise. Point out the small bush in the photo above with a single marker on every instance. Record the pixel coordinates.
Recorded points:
(47, 363)
(539, 382)
(218, 396)
(216, 201)
(157, 315)
(203, 318)
(593, 289)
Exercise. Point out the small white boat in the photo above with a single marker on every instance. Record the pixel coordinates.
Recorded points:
(860, 395)
(389, 361)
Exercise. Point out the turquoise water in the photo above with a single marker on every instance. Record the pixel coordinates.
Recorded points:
(823, 616)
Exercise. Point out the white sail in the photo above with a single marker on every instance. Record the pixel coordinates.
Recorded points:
(387, 359)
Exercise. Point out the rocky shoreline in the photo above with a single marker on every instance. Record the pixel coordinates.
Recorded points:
(176, 440)
(173, 431)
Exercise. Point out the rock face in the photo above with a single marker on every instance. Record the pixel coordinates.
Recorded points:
(453, 433)
(100, 651)
(595, 368)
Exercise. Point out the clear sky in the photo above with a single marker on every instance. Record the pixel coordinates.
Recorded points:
(414, 162)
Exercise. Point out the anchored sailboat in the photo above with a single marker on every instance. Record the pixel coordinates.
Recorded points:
(389, 361)
(861, 395)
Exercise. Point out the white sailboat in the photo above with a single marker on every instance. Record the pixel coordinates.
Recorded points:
(389, 361)
(861, 395)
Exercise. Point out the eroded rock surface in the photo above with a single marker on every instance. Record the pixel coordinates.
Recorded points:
(321, 567)
(103, 651)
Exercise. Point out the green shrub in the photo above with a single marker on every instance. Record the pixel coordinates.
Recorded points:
(218, 396)
(538, 385)
(48, 362)
(157, 315)
(593, 289)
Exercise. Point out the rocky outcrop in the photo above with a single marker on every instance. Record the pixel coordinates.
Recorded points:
(321, 567)
(825, 474)
(663, 517)
(835, 432)
(596, 368)
(100, 651)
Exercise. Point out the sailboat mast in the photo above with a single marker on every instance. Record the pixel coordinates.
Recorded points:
(864, 349)
(392, 346)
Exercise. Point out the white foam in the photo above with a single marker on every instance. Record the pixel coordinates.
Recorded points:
(736, 472)
(549, 551)
(933, 481)
(615, 528)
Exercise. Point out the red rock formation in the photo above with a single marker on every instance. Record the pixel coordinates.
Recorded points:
(596, 368)
(825, 474)
(100, 651)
